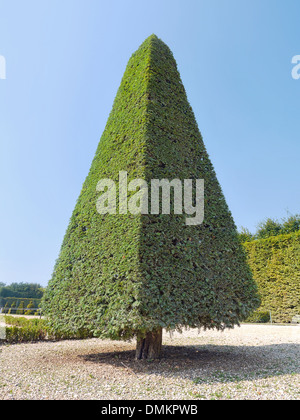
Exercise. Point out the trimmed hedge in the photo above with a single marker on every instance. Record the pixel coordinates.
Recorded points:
(22, 330)
(259, 317)
(275, 263)
(120, 276)
(24, 334)
(10, 300)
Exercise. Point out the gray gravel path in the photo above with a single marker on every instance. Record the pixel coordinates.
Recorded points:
(251, 362)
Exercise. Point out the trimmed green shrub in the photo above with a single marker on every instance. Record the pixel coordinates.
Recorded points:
(25, 334)
(12, 309)
(275, 264)
(22, 330)
(6, 308)
(121, 276)
(20, 310)
(259, 317)
(29, 309)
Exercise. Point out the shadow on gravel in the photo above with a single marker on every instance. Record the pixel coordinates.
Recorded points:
(210, 363)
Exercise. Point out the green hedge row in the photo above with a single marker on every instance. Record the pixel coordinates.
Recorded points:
(7, 303)
(275, 263)
(259, 317)
(22, 330)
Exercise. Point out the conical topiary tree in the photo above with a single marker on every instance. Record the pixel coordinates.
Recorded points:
(12, 308)
(29, 307)
(6, 308)
(131, 275)
(20, 310)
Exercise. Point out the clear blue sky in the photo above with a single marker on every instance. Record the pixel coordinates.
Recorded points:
(65, 60)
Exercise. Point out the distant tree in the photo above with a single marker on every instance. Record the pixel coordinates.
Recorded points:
(268, 228)
(245, 235)
(22, 290)
(291, 224)
(271, 227)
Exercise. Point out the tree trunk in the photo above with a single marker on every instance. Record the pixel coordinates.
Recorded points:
(149, 346)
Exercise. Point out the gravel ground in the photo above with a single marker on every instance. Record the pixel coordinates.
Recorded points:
(251, 362)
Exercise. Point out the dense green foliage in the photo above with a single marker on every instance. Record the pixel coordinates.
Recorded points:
(275, 264)
(22, 330)
(259, 317)
(122, 275)
(270, 227)
(21, 290)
